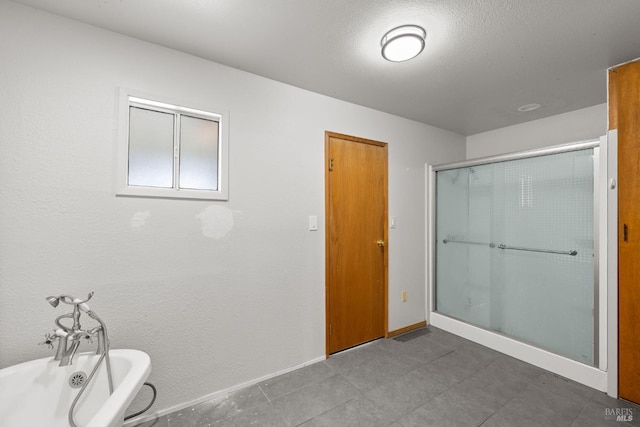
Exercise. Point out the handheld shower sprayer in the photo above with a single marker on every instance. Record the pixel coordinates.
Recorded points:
(54, 301)
(68, 299)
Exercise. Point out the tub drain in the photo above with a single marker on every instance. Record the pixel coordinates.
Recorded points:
(77, 379)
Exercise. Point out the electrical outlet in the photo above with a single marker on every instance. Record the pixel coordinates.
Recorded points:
(404, 296)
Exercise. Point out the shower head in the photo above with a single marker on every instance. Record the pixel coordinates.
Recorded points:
(54, 301)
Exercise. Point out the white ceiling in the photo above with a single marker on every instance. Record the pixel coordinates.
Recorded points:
(483, 58)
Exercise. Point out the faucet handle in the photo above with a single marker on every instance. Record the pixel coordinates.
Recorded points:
(48, 340)
(89, 338)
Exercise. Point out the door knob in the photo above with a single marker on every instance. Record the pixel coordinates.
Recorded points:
(380, 243)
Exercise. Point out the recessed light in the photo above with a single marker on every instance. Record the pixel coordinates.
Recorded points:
(403, 43)
(529, 107)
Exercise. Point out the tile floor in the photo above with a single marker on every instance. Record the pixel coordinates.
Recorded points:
(427, 378)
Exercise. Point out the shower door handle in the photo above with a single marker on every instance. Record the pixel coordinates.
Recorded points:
(572, 252)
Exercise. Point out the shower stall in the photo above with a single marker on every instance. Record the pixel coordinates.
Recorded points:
(514, 255)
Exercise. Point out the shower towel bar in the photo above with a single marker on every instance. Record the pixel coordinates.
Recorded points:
(547, 251)
(491, 245)
(515, 248)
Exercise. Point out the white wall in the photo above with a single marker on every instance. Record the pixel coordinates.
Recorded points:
(214, 307)
(587, 123)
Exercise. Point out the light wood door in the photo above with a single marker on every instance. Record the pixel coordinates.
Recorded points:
(356, 245)
(624, 115)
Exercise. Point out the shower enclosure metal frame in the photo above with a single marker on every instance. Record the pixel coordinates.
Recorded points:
(431, 230)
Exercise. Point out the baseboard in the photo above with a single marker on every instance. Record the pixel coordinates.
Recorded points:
(406, 329)
(215, 395)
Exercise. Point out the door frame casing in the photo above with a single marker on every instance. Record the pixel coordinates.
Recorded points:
(623, 110)
(327, 155)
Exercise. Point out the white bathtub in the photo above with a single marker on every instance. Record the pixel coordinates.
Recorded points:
(38, 394)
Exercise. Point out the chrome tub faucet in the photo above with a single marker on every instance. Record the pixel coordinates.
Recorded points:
(69, 340)
(69, 337)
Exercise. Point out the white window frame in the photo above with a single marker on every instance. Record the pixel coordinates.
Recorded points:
(127, 98)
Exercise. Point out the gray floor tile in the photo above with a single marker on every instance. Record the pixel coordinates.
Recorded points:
(209, 412)
(264, 415)
(536, 406)
(299, 378)
(480, 355)
(314, 399)
(488, 389)
(457, 364)
(515, 367)
(595, 414)
(425, 350)
(565, 387)
(339, 362)
(435, 379)
(417, 352)
(604, 399)
(406, 393)
(446, 338)
(444, 411)
(373, 373)
(611, 404)
(158, 422)
(389, 345)
(437, 371)
(201, 414)
(412, 335)
(359, 412)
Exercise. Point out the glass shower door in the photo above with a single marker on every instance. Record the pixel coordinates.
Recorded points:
(515, 250)
(463, 261)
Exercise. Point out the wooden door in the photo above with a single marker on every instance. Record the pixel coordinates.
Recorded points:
(624, 115)
(356, 240)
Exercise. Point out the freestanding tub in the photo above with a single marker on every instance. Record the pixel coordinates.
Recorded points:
(38, 393)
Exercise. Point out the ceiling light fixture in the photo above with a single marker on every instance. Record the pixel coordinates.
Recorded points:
(528, 107)
(403, 43)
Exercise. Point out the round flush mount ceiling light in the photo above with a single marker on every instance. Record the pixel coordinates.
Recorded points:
(528, 107)
(403, 43)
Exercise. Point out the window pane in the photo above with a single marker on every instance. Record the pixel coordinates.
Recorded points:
(198, 153)
(150, 148)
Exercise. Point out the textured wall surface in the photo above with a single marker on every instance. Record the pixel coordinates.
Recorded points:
(218, 293)
(579, 125)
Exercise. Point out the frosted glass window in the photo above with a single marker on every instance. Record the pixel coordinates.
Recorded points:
(171, 151)
(198, 153)
(150, 148)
